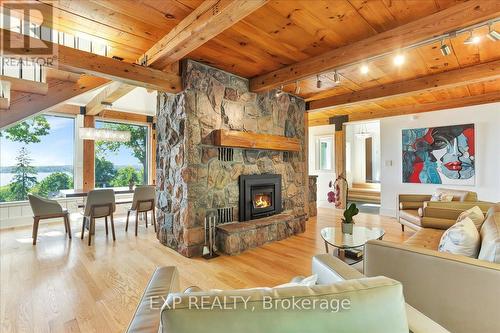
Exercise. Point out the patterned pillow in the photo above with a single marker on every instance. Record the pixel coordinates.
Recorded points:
(443, 197)
(475, 214)
(461, 238)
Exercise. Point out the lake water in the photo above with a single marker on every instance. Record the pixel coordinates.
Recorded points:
(6, 178)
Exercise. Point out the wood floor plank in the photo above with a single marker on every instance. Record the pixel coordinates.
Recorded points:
(66, 286)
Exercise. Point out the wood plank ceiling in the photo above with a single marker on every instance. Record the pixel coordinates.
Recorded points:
(285, 32)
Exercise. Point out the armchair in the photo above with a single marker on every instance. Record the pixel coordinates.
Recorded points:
(47, 209)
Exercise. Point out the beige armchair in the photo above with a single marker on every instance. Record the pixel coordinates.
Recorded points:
(100, 203)
(411, 206)
(47, 209)
(143, 202)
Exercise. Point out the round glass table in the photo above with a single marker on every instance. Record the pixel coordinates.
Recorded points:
(350, 246)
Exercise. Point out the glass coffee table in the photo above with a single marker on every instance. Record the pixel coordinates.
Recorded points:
(352, 243)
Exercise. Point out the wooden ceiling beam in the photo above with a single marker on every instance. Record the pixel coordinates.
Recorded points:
(28, 86)
(449, 79)
(450, 19)
(52, 73)
(486, 98)
(81, 62)
(109, 95)
(207, 21)
(24, 105)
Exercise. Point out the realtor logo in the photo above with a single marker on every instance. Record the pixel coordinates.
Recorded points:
(21, 18)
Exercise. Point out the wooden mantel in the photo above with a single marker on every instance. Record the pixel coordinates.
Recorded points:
(251, 140)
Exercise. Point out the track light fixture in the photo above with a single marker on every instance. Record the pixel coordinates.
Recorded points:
(336, 77)
(493, 34)
(297, 88)
(472, 39)
(318, 82)
(445, 49)
(279, 91)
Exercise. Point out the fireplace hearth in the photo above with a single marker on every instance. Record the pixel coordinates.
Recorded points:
(260, 196)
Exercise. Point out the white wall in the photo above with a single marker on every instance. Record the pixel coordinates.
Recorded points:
(356, 151)
(324, 176)
(487, 127)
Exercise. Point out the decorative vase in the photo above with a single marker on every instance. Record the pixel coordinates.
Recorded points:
(347, 228)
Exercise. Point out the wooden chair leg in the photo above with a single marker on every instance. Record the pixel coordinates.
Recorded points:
(126, 224)
(66, 219)
(65, 225)
(153, 217)
(106, 222)
(136, 222)
(36, 220)
(146, 218)
(402, 227)
(83, 226)
(91, 229)
(113, 227)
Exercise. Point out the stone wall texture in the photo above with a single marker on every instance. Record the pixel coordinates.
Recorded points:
(193, 181)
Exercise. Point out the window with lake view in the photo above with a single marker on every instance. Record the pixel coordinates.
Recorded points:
(37, 156)
(120, 164)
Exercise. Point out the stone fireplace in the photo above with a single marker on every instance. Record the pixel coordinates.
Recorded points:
(197, 178)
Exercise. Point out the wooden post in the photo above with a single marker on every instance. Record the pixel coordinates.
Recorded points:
(88, 157)
(340, 168)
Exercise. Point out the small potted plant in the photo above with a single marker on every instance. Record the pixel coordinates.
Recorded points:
(347, 221)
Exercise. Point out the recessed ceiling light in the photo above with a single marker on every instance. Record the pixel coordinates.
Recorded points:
(364, 69)
(399, 60)
(472, 39)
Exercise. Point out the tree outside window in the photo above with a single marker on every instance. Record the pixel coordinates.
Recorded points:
(119, 164)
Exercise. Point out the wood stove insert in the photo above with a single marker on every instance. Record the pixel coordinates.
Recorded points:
(260, 196)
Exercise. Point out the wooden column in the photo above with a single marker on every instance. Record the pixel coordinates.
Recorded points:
(88, 157)
(340, 168)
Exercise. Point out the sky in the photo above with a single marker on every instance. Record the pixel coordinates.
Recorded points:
(57, 148)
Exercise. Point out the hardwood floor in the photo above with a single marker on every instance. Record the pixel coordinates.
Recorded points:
(66, 286)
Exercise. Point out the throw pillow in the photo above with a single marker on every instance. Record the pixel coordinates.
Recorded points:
(475, 214)
(443, 197)
(490, 236)
(461, 238)
(305, 282)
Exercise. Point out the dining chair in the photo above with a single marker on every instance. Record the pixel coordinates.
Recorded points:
(143, 202)
(47, 209)
(100, 203)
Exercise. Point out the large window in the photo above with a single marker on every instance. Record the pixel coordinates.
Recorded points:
(119, 164)
(325, 153)
(36, 156)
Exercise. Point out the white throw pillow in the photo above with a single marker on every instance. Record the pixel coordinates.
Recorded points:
(490, 237)
(305, 282)
(475, 214)
(461, 238)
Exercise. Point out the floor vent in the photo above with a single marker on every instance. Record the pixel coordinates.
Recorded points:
(226, 154)
(225, 215)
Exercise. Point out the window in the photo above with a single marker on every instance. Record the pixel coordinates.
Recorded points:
(119, 164)
(36, 156)
(325, 153)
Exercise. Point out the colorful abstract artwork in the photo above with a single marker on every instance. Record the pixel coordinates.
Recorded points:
(439, 155)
